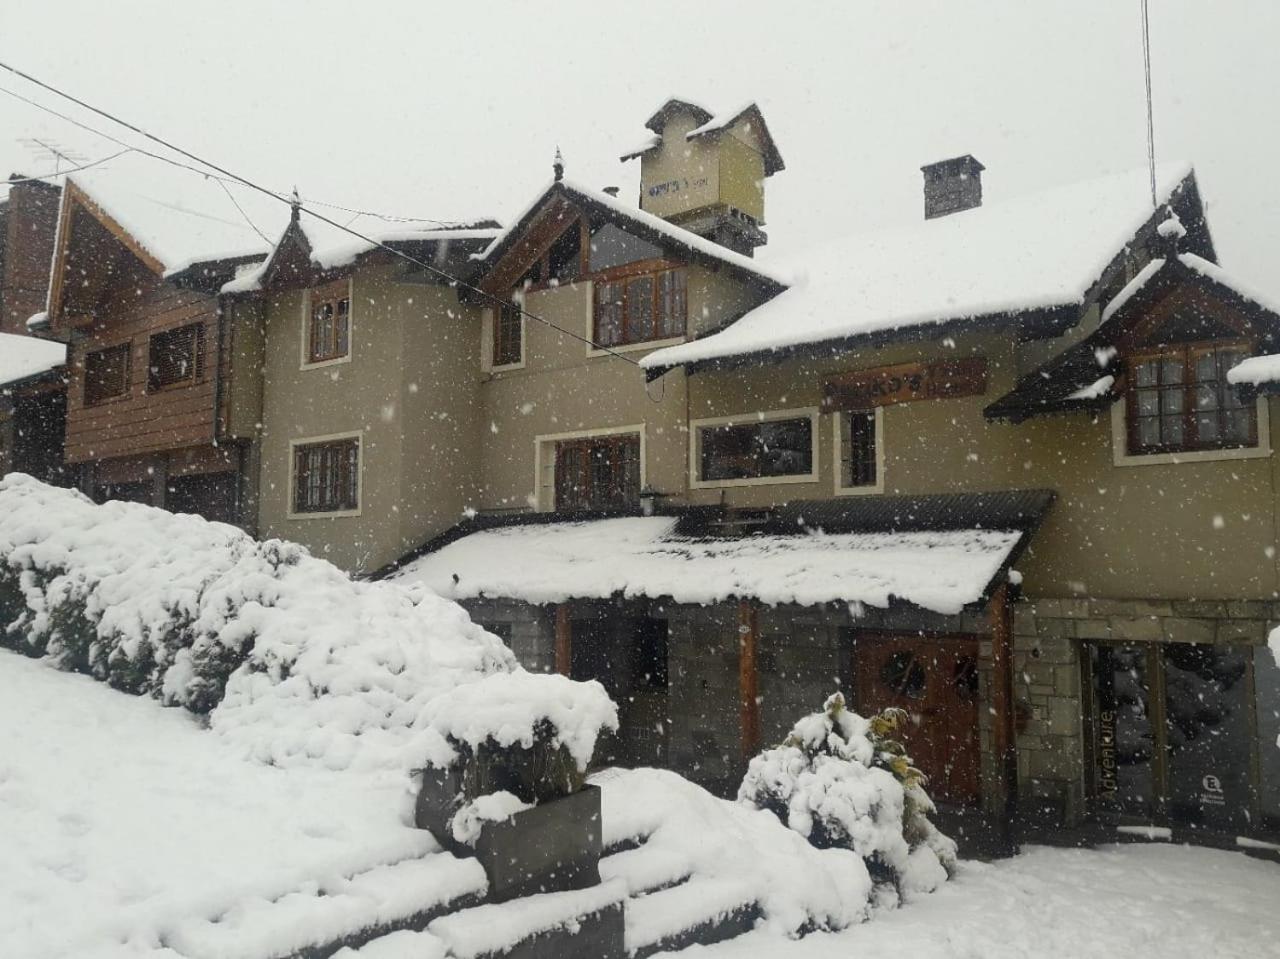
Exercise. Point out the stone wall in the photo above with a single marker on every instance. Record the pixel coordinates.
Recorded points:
(532, 629)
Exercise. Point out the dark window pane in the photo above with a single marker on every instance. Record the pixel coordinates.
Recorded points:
(175, 356)
(601, 473)
(106, 374)
(639, 326)
(757, 450)
(1207, 733)
(859, 453)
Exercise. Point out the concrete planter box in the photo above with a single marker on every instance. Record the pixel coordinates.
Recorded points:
(553, 847)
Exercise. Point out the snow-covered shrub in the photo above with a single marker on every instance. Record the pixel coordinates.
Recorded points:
(841, 780)
(294, 661)
(528, 734)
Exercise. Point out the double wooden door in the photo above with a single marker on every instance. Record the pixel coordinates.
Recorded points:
(935, 681)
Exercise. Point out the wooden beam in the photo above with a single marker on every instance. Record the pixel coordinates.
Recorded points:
(564, 640)
(748, 678)
(1002, 707)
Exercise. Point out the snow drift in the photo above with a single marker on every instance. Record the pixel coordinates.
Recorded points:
(295, 662)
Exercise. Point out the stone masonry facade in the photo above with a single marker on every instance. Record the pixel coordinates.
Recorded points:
(1051, 673)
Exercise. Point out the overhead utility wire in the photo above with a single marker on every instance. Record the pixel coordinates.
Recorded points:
(54, 176)
(1146, 69)
(497, 301)
(205, 173)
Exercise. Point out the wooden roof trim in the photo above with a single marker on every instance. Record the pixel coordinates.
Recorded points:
(72, 197)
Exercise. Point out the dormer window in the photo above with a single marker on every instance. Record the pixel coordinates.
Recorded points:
(1179, 400)
(329, 323)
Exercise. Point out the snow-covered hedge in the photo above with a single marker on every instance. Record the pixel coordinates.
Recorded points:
(842, 781)
(293, 660)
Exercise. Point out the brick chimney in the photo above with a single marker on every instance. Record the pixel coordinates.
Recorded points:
(951, 186)
(29, 221)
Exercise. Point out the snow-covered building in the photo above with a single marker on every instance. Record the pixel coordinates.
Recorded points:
(854, 481)
(992, 468)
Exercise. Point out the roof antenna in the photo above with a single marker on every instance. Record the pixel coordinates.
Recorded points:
(1151, 136)
(557, 166)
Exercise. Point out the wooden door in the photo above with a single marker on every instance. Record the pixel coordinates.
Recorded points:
(936, 682)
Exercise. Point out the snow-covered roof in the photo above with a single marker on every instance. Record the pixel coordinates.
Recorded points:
(642, 556)
(332, 248)
(22, 357)
(176, 215)
(1035, 252)
(655, 224)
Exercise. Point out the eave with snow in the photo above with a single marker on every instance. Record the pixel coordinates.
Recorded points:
(1177, 298)
(1032, 265)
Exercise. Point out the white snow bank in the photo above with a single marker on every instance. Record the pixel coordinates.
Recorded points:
(1039, 251)
(120, 819)
(25, 356)
(693, 834)
(324, 670)
(509, 708)
(639, 556)
(1256, 370)
(1171, 902)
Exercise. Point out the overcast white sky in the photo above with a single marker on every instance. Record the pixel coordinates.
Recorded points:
(454, 110)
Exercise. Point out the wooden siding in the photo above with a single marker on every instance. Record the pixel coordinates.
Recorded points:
(141, 421)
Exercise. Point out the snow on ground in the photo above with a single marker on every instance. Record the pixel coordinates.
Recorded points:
(23, 356)
(1050, 247)
(119, 818)
(1139, 901)
(639, 556)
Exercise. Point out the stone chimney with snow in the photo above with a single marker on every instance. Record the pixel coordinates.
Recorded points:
(951, 186)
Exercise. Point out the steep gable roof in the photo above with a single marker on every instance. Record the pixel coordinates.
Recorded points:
(644, 225)
(709, 125)
(1085, 375)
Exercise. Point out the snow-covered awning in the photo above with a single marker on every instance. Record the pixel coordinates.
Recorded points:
(1257, 372)
(25, 357)
(943, 570)
(1042, 252)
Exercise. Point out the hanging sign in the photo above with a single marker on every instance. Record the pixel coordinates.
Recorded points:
(905, 383)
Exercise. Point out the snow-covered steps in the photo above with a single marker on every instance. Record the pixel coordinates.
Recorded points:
(581, 922)
(699, 911)
(646, 869)
(318, 920)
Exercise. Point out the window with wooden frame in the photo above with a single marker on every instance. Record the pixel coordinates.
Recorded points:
(329, 324)
(508, 335)
(758, 449)
(106, 374)
(175, 357)
(858, 449)
(326, 476)
(602, 472)
(638, 308)
(1179, 400)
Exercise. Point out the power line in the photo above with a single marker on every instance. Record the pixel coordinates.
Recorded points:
(456, 281)
(390, 218)
(236, 203)
(1151, 134)
(51, 176)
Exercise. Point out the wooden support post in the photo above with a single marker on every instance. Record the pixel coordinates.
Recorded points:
(564, 640)
(748, 677)
(1002, 707)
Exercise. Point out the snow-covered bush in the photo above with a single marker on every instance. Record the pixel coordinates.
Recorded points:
(293, 660)
(841, 780)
